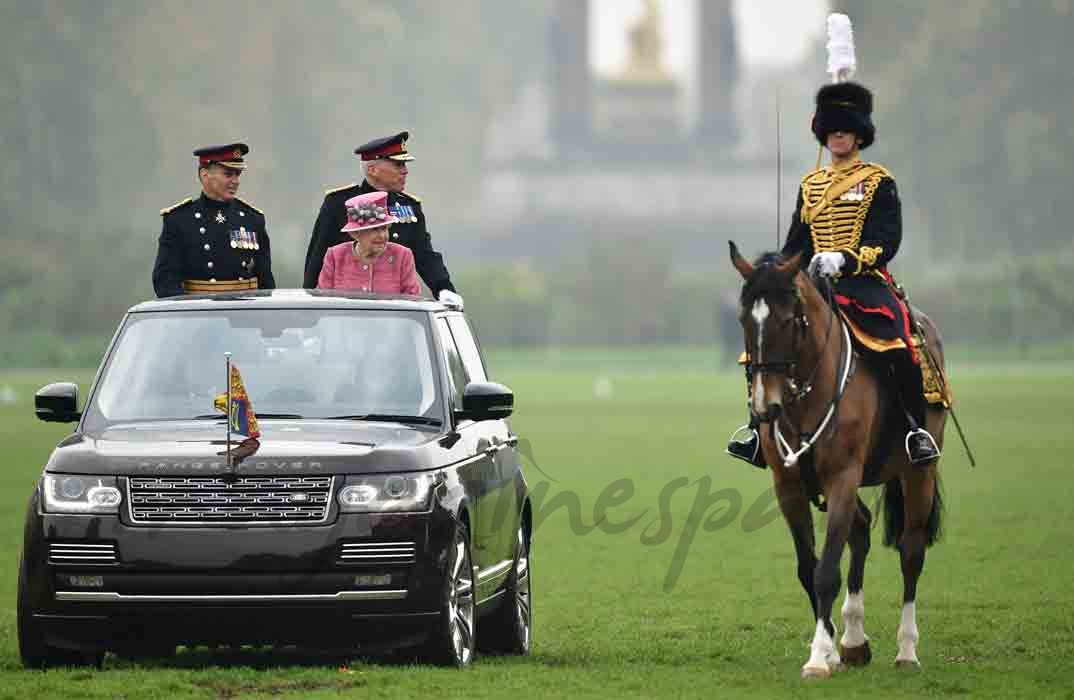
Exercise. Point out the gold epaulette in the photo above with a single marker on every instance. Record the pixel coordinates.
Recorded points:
(168, 210)
(340, 189)
(883, 171)
(811, 174)
(251, 206)
(413, 196)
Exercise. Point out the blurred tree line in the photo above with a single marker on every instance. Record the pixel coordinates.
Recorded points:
(974, 102)
(103, 103)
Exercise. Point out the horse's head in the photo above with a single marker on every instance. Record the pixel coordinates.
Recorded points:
(773, 319)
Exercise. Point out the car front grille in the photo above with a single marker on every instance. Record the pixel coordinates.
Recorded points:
(211, 500)
(381, 553)
(82, 554)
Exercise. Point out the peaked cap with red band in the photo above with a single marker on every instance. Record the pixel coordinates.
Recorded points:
(390, 147)
(229, 156)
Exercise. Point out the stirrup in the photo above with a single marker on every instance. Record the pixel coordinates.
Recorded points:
(921, 448)
(748, 449)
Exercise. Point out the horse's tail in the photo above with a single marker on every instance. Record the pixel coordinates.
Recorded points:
(894, 514)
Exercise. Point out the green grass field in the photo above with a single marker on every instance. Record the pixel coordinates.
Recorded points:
(716, 614)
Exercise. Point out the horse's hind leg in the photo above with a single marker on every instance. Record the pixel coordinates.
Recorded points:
(921, 518)
(854, 645)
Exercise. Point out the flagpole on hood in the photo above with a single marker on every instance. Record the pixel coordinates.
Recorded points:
(227, 458)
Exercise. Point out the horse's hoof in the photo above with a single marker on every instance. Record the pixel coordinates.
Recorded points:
(816, 673)
(856, 656)
(908, 664)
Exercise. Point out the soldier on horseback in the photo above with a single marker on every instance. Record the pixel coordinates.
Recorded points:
(848, 224)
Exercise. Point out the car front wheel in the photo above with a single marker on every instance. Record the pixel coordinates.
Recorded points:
(507, 630)
(454, 641)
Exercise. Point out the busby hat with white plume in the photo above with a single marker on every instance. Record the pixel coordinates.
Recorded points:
(844, 107)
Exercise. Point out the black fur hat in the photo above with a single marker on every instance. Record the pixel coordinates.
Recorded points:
(844, 107)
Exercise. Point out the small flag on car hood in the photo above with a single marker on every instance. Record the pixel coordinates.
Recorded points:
(241, 416)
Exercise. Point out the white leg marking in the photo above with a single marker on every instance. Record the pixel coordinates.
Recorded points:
(760, 314)
(907, 634)
(823, 658)
(854, 621)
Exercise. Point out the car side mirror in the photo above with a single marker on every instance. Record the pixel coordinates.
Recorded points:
(57, 403)
(486, 401)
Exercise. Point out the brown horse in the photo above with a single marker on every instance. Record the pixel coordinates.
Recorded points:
(829, 425)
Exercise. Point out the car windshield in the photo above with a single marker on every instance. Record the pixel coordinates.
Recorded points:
(304, 363)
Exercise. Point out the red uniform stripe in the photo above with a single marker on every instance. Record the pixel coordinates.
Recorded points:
(389, 150)
(847, 301)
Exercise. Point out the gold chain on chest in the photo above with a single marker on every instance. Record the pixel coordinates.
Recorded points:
(838, 226)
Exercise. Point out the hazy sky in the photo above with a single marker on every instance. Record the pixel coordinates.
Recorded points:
(769, 31)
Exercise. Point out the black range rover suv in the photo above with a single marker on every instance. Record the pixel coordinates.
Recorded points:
(383, 503)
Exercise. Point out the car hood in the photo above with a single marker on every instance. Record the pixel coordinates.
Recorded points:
(292, 447)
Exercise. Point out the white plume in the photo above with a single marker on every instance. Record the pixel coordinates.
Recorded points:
(841, 61)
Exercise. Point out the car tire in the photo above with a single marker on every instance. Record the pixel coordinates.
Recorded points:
(33, 650)
(453, 642)
(509, 628)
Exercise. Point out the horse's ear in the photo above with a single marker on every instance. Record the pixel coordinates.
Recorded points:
(741, 264)
(791, 267)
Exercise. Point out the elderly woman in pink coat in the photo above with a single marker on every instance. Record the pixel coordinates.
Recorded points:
(370, 263)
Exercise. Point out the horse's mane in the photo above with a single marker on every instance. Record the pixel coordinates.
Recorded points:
(766, 281)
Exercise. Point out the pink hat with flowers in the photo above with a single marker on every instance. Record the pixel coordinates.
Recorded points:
(368, 210)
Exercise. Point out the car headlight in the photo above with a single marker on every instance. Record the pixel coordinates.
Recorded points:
(79, 493)
(386, 493)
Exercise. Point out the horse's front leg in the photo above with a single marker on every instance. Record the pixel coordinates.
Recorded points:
(854, 644)
(795, 507)
(841, 495)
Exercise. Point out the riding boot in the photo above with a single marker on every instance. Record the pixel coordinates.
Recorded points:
(747, 448)
(920, 446)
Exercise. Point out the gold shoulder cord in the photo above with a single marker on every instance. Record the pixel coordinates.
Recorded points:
(251, 206)
(168, 210)
(340, 188)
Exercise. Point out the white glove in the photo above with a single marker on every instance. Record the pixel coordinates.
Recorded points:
(826, 264)
(450, 298)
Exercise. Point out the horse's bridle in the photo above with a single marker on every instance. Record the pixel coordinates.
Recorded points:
(787, 367)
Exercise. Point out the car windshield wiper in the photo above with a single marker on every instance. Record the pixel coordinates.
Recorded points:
(221, 416)
(392, 418)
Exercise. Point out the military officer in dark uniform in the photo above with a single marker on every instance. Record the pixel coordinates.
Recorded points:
(217, 242)
(848, 224)
(384, 161)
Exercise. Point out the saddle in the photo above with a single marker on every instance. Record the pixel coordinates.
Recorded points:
(934, 382)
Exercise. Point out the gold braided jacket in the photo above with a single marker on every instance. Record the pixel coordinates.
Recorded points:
(835, 202)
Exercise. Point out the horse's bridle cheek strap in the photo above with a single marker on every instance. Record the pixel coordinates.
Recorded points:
(786, 367)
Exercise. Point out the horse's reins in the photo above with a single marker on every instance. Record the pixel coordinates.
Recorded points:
(846, 355)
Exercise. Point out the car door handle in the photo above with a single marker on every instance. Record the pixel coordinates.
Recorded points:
(491, 450)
